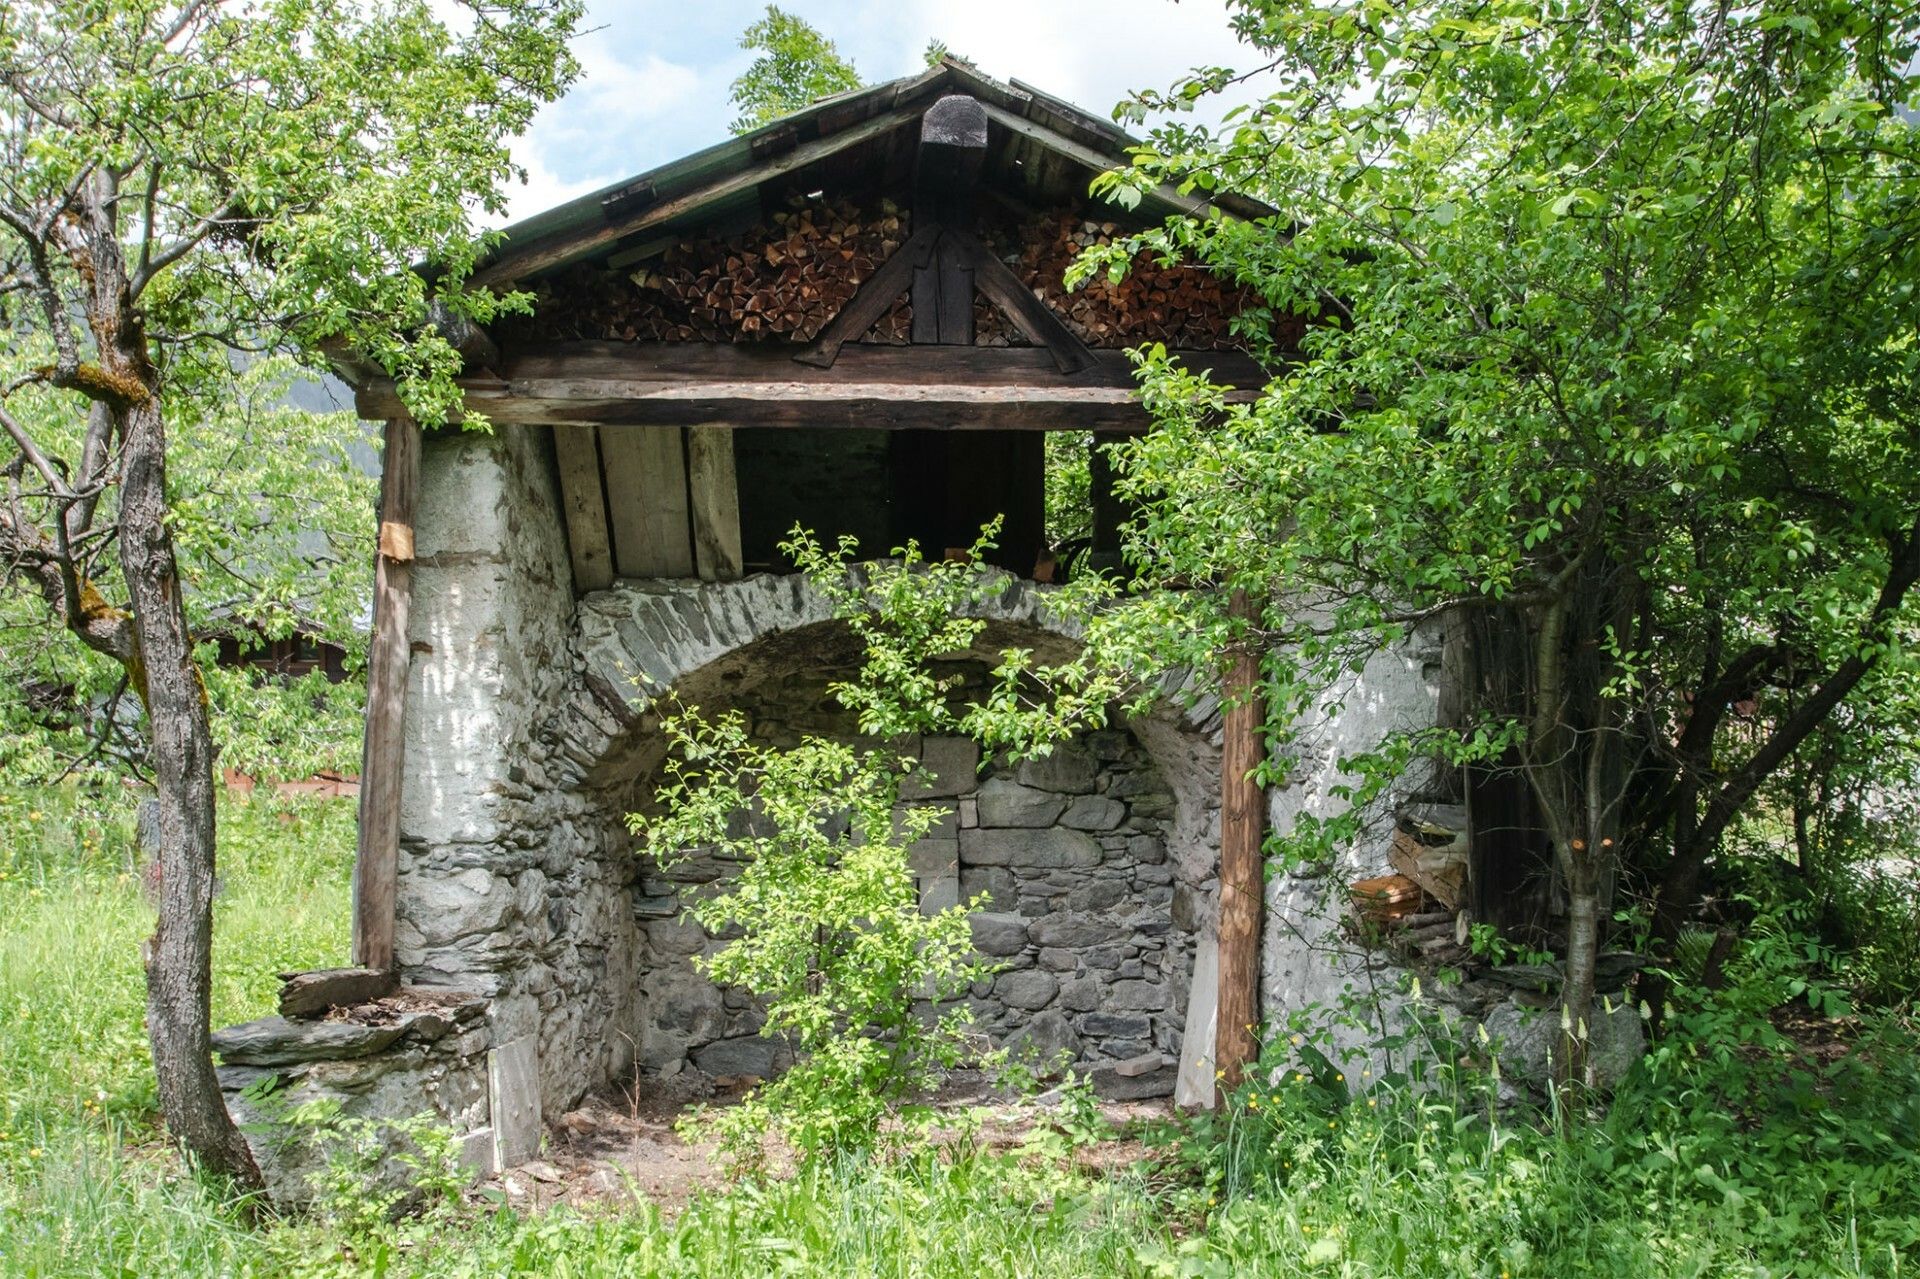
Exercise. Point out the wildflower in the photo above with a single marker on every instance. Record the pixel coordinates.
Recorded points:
(1254, 1104)
(34, 816)
(1372, 1104)
(1341, 1076)
(1299, 1078)
(1219, 1074)
(1329, 1123)
(1296, 1041)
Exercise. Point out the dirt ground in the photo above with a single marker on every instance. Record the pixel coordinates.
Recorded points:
(620, 1148)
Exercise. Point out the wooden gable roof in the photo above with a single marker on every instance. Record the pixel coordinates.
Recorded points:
(1045, 145)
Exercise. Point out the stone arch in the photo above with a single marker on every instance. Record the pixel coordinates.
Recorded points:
(1100, 968)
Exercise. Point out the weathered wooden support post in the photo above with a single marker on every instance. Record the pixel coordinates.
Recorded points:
(377, 859)
(1242, 878)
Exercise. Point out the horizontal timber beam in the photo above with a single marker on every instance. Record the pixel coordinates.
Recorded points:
(868, 387)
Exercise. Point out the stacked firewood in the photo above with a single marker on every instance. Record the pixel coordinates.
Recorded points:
(779, 281)
(784, 279)
(1186, 307)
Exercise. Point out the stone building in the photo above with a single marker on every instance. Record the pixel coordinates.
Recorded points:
(849, 320)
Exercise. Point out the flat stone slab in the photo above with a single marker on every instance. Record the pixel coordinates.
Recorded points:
(276, 1041)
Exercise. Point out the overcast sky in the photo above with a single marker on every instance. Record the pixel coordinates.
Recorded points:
(655, 72)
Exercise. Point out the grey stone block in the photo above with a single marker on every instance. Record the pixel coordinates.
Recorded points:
(1006, 803)
(1046, 848)
(950, 765)
(1066, 770)
(1094, 812)
(998, 934)
(1030, 990)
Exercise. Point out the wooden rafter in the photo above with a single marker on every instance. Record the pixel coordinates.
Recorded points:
(869, 387)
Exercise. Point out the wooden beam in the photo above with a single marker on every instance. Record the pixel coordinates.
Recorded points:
(1088, 158)
(513, 263)
(588, 539)
(715, 496)
(1029, 314)
(947, 164)
(869, 387)
(873, 299)
(1242, 883)
(310, 994)
(647, 501)
(376, 864)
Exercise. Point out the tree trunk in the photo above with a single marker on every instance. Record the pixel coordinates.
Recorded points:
(1576, 991)
(179, 968)
(1242, 869)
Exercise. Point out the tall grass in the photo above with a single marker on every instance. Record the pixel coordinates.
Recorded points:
(1726, 1155)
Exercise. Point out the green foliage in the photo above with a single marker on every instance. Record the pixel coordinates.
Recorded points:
(372, 1169)
(1608, 351)
(1729, 1152)
(273, 528)
(829, 931)
(797, 66)
(1069, 486)
(830, 936)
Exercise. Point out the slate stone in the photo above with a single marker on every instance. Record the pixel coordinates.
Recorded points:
(1030, 990)
(1048, 848)
(1094, 812)
(1066, 770)
(1081, 994)
(1144, 995)
(1059, 959)
(1147, 849)
(1044, 1039)
(954, 765)
(1097, 895)
(752, 1055)
(275, 1041)
(995, 881)
(1005, 803)
(1131, 1025)
(1061, 930)
(998, 934)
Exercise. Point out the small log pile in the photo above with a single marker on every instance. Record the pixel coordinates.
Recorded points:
(1186, 307)
(1417, 909)
(779, 281)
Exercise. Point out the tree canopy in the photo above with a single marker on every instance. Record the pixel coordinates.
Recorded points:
(797, 65)
(1611, 354)
(185, 188)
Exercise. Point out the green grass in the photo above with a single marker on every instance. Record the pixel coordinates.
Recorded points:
(1717, 1160)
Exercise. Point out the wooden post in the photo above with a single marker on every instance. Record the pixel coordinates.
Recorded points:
(1242, 881)
(377, 860)
(714, 492)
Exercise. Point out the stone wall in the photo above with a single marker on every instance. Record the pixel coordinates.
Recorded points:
(1069, 854)
(430, 1059)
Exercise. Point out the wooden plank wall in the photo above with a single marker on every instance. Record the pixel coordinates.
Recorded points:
(649, 501)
